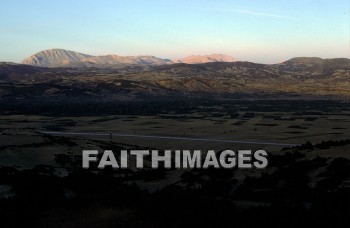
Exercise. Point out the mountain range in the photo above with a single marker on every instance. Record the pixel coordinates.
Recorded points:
(61, 58)
(151, 78)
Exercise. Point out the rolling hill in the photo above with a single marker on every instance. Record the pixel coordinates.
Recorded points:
(298, 77)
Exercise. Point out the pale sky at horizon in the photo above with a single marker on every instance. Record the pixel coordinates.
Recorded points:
(264, 31)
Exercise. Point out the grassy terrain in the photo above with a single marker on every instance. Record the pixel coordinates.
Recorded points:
(294, 127)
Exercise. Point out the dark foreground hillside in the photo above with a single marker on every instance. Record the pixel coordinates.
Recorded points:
(299, 192)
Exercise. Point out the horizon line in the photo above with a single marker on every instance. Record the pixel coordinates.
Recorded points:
(171, 59)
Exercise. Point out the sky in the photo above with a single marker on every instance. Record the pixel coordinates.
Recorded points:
(264, 31)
